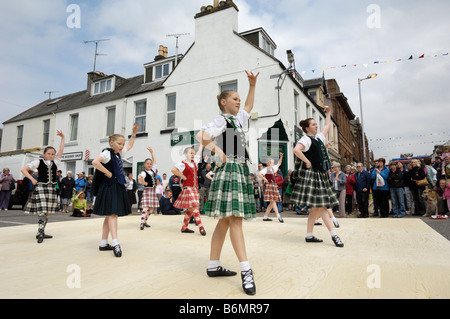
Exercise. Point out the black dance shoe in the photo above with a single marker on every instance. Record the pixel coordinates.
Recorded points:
(117, 251)
(337, 241)
(187, 230)
(313, 240)
(107, 247)
(248, 283)
(220, 271)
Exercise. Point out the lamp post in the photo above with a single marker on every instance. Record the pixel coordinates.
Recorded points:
(370, 76)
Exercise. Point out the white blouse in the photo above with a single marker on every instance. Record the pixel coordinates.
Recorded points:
(264, 170)
(106, 155)
(306, 141)
(218, 125)
(35, 164)
(180, 166)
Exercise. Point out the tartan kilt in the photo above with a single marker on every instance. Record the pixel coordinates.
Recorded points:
(271, 192)
(149, 198)
(44, 199)
(112, 199)
(313, 189)
(231, 192)
(188, 198)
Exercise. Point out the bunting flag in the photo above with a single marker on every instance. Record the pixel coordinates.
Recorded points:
(408, 144)
(434, 138)
(415, 136)
(377, 62)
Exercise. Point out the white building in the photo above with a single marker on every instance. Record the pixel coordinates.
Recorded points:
(172, 102)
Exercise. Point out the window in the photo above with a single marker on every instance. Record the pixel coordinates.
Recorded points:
(74, 127)
(46, 134)
(313, 95)
(296, 98)
(141, 115)
(111, 120)
(162, 70)
(171, 108)
(19, 137)
(102, 86)
(308, 110)
(229, 86)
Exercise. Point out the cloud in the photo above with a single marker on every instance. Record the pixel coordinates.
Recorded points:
(39, 52)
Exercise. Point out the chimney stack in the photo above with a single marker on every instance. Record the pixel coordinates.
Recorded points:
(162, 53)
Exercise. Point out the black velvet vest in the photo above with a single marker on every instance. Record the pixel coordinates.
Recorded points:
(318, 155)
(232, 142)
(47, 174)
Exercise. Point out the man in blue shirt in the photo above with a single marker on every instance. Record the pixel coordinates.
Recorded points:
(362, 188)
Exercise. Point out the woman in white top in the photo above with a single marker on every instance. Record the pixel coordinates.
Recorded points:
(313, 187)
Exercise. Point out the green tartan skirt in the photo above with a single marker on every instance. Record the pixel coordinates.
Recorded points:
(231, 192)
(313, 189)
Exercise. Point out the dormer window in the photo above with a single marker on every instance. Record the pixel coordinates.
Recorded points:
(161, 71)
(261, 39)
(102, 86)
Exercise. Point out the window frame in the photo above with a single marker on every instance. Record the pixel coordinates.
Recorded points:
(170, 112)
(46, 132)
(19, 137)
(74, 116)
(144, 116)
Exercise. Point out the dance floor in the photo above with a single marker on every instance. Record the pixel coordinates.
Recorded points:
(382, 258)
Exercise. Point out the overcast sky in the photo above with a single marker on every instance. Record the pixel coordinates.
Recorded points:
(406, 106)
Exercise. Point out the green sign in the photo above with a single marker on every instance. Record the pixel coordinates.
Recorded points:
(183, 138)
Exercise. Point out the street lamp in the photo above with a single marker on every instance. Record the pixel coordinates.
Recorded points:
(370, 76)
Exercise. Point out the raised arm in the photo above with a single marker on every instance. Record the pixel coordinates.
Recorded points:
(327, 126)
(61, 145)
(280, 160)
(249, 102)
(133, 136)
(153, 154)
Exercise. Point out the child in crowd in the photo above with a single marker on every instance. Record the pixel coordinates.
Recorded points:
(149, 199)
(79, 205)
(175, 187)
(257, 194)
(189, 197)
(109, 187)
(44, 199)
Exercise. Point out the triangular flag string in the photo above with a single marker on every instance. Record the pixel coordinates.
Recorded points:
(377, 62)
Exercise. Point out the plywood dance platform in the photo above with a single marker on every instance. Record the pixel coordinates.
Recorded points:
(382, 258)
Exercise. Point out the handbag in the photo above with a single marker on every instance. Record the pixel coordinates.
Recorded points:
(422, 182)
(380, 180)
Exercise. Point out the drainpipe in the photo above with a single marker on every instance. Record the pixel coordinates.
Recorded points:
(124, 116)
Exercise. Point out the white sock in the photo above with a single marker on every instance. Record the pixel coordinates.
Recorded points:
(309, 235)
(265, 217)
(245, 265)
(103, 243)
(334, 218)
(333, 233)
(213, 264)
(115, 242)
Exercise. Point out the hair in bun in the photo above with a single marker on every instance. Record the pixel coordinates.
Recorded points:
(222, 96)
(305, 123)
